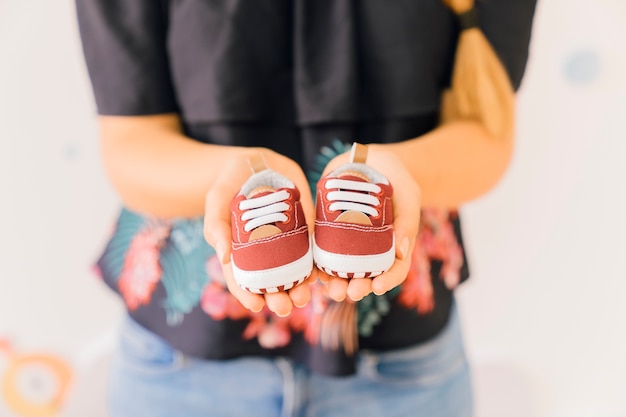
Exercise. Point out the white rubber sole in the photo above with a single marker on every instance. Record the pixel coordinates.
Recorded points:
(353, 266)
(277, 279)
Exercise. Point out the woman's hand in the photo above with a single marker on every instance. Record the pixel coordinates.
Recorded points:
(217, 224)
(406, 206)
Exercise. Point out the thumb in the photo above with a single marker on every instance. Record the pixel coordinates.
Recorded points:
(218, 235)
(217, 228)
(406, 220)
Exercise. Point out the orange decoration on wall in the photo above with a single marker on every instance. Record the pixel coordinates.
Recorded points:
(34, 385)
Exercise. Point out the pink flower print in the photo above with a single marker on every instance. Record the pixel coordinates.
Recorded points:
(274, 335)
(417, 290)
(451, 269)
(313, 329)
(214, 270)
(256, 323)
(271, 333)
(220, 304)
(298, 319)
(142, 271)
(97, 271)
(308, 319)
(217, 301)
(439, 242)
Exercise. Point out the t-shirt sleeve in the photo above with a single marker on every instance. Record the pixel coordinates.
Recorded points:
(124, 42)
(507, 24)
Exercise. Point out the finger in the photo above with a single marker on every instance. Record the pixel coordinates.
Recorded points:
(321, 275)
(253, 302)
(217, 228)
(312, 279)
(359, 288)
(338, 288)
(300, 295)
(279, 303)
(406, 204)
(217, 213)
(406, 220)
(218, 234)
(392, 278)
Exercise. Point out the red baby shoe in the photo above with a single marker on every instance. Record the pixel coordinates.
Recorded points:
(354, 220)
(270, 245)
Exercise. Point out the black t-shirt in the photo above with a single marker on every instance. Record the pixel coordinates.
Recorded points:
(302, 77)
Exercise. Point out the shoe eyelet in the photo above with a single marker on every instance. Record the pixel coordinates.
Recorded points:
(289, 210)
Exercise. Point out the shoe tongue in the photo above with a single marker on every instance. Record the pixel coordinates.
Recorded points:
(260, 191)
(264, 231)
(353, 175)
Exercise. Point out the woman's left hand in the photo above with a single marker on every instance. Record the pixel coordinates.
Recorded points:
(406, 212)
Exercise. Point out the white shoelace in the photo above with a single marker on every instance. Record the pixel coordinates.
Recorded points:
(264, 210)
(352, 199)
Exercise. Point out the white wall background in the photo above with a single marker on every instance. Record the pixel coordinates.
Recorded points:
(543, 314)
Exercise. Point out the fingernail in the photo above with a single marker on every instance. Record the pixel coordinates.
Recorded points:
(283, 315)
(339, 299)
(356, 299)
(404, 247)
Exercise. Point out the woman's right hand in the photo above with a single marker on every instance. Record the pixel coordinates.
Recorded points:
(217, 224)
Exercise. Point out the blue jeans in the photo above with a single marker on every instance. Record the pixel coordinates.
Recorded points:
(149, 379)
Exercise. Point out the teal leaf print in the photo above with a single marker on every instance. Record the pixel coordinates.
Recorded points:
(371, 309)
(326, 154)
(183, 260)
(111, 262)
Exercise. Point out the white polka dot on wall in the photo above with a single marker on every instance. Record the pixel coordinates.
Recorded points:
(582, 67)
(70, 151)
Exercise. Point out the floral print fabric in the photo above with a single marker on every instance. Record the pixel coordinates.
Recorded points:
(145, 252)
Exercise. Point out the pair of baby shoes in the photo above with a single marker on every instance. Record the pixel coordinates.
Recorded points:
(353, 234)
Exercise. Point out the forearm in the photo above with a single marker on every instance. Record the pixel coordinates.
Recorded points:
(454, 163)
(155, 169)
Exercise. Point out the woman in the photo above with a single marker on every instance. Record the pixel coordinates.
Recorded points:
(188, 91)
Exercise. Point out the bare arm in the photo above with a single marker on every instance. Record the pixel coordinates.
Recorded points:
(157, 170)
(454, 163)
